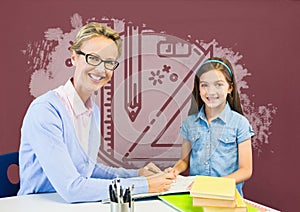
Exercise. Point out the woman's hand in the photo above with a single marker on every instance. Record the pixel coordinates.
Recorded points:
(149, 169)
(172, 170)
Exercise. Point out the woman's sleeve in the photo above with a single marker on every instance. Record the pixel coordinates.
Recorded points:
(43, 129)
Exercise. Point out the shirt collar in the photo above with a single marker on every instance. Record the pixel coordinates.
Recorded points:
(224, 115)
(75, 101)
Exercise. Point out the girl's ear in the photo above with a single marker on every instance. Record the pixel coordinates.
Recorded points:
(230, 89)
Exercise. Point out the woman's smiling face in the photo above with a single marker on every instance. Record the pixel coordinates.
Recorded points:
(88, 78)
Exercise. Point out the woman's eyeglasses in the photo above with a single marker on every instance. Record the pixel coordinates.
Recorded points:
(95, 61)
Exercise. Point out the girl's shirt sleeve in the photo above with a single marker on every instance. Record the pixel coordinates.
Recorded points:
(244, 131)
(184, 130)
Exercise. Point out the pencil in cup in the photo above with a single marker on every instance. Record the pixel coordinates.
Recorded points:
(121, 207)
(120, 201)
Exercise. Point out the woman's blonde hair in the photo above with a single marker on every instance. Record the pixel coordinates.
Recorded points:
(94, 29)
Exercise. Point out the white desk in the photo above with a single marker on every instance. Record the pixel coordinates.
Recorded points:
(52, 202)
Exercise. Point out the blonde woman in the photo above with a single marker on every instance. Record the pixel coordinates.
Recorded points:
(60, 132)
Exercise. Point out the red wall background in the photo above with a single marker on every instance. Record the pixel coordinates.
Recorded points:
(265, 32)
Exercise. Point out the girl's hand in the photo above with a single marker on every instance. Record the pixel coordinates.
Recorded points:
(172, 170)
(160, 182)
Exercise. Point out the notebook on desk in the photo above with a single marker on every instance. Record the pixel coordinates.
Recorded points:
(181, 185)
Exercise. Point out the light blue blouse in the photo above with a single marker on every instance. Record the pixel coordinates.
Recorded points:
(215, 146)
(52, 160)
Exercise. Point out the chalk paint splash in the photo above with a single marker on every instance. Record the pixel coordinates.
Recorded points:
(50, 65)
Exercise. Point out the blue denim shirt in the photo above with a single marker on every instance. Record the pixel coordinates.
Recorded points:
(215, 146)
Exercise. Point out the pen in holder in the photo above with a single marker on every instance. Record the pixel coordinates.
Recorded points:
(120, 201)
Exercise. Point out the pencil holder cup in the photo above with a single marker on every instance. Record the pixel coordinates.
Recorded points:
(122, 207)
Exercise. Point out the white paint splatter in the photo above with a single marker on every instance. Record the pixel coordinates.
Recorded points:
(49, 60)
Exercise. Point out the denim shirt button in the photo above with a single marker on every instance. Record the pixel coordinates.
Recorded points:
(206, 163)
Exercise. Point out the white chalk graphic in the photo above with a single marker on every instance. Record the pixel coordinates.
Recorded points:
(149, 96)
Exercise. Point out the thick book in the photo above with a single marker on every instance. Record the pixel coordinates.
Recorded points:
(239, 205)
(213, 202)
(213, 188)
(238, 201)
(198, 201)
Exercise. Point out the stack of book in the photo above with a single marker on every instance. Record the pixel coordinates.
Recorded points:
(216, 194)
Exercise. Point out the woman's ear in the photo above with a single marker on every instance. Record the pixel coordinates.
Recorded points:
(73, 58)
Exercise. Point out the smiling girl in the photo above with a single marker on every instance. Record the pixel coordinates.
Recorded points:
(216, 135)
